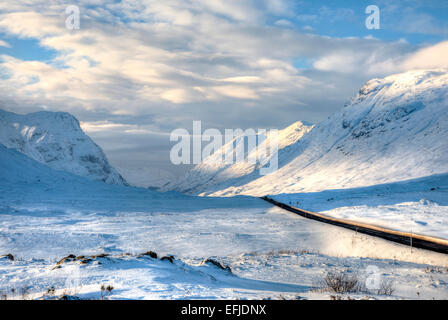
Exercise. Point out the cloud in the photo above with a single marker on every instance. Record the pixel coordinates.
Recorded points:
(152, 66)
(385, 61)
(143, 57)
(435, 56)
(4, 44)
(372, 58)
(167, 63)
(31, 24)
(177, 96)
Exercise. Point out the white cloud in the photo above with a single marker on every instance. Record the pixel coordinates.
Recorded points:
(32, 24)
(435, 56)
(373, 58)
(381, 62)
(155, 59)
(239, 92)
(136, 57)
(171, 62)
(4, 44)
(177, 96)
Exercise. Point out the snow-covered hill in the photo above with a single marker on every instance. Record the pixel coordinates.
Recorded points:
(57, 140)
(394, 129)
(214, 174)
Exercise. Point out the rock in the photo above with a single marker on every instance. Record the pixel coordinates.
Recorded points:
(169, 258)
(216, 264)
(7, 256)
(149, 253)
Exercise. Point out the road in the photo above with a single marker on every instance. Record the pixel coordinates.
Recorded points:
(414, 240)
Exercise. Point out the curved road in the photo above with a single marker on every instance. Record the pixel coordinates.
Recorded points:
(410, 239)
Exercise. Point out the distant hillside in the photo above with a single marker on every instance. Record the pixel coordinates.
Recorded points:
(394, 129)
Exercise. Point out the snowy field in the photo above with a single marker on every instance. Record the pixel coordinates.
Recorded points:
(272, 254)
(417, 206)
(46, 215)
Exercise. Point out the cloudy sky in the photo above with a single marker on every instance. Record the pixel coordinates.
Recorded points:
(136, 70)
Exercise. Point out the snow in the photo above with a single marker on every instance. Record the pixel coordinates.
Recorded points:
(392, 136)
(213, 172)
(272, 254)
(47, 215)
(416, 206)
(254, 276)
(382, 160)
(395, 129)
(57, 140)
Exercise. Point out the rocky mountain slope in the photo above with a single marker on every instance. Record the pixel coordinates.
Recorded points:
(394, 129)
(57, 140)
(214, 173)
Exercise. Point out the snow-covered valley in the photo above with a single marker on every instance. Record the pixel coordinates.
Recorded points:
(70, 224)
(272, 254)
(47, 215)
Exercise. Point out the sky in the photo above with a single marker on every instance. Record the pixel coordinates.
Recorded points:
(136, 70)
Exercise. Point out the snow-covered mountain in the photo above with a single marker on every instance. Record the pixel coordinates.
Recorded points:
(213, 173)
(394, 129)
(57, 140)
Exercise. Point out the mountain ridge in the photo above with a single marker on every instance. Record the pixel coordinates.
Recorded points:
(212, 170)
(394, 129)
(57, 140)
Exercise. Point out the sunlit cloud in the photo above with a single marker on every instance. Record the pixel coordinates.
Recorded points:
(435, 56)
(164, 64)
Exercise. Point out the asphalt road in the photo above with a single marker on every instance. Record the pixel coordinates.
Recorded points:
(414, 240)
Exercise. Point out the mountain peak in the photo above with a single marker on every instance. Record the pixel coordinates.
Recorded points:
(395, 128)
(57, 140)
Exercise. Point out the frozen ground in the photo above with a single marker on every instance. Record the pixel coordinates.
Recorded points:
(418, 205)
(272, 254)
(46, 215)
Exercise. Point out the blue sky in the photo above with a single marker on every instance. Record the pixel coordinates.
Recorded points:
(347, 19)
(26, 49)
(135, 71)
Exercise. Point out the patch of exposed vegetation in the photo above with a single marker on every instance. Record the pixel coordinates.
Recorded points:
(168, 258)
(216, 264)
(151, 254)
(343, 282)
(386, 288)
(81, 259)
(106, 290)
(97, 258)
(7, 256)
